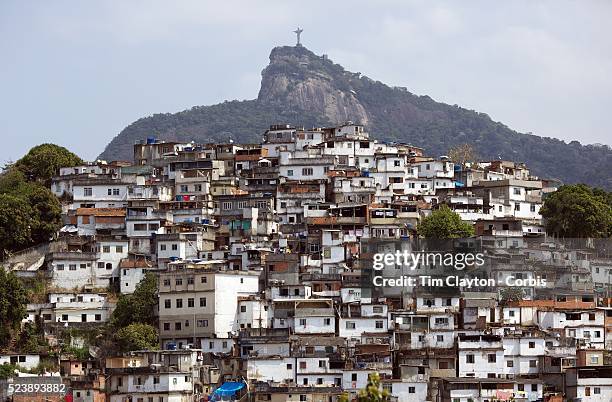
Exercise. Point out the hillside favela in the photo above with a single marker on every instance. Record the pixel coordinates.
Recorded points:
(234, 271)
(319, 235)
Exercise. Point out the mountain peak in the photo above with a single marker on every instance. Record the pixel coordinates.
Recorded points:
(301, 79)
(302, 88)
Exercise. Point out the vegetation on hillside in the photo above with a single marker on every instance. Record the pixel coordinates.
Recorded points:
(576, 211)
(138, 307)
(394, 114)
(13, 301)
(137, 336)
(444, 224)
(29, 212)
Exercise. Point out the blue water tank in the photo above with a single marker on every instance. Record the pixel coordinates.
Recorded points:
(150, 140)
(171, 346)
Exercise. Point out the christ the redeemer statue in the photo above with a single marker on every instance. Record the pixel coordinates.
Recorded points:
(298, 32)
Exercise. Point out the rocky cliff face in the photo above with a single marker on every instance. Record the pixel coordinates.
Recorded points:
(301, 88)
(298, 78)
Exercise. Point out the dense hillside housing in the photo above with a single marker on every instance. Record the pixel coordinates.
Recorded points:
(261, 250)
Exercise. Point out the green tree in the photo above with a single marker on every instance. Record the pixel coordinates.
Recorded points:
(444, 224)
(511, 294)
(137, 336)
(7, 371)
(140, 306)
(373, 392)
(15, 223)
(462, 154)
(578, 211)
(13, 300)
(43, 162)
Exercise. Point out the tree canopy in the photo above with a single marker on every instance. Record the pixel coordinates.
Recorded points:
(29, 213)
(462, 154)
(13, 301)
(140, 306)
(137, 336)
(43, 162)
(444, 224)
(577, 211)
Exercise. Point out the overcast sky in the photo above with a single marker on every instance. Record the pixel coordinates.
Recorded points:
(76, 72)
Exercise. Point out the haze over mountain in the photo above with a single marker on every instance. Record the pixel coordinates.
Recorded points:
(304, 89)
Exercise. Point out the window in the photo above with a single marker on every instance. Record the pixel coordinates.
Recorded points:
(302, 365)
(106, 249)
(439, 338)
(115, 191)
(596, 390)
(119, 249)
(156, 380)
(198, 187)
(379, 324)
(377, 309)
(166, 326)
(166, 282)
(511, 314)
(322, 364)
(533, 363)
(179, 303)
(202, 323)
(174, 247)
(289, 172)
(190, 302)
(98, 317)
(162, 247)
(517, 206)
(509, 363)
(190, 280)
(517, 191)
(350, 325)
(202, 301)
(72, 267)
(243, 309)
(492, 358)
(167, 303)
(178, 282)
(303, 397)
(587, 391)
(60, 267)
(227, 205)
(303, 322)
(327, 321)
(184, 188)
(203, 279)
(307, 171)
(177, 326)
(396, 163)
(289, 366)
(411, 390)
(64, 317)
(470, 358)
(87, 191)
(532, 208)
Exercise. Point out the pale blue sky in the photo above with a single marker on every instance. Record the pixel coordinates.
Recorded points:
(77, 72)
